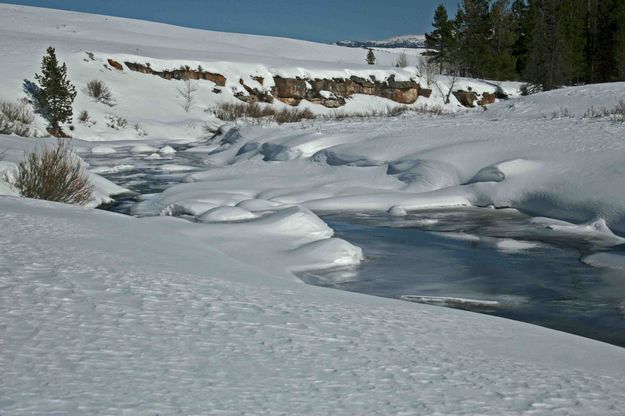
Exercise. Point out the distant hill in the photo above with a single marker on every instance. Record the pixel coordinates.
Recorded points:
(405, 41)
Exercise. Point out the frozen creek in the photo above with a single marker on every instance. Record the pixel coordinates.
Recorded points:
(498, 262)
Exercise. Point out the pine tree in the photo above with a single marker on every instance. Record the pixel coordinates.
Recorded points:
(473, 25)
(502, 65)
(619, 42)
(440, 41)
(56, 92)
(370, 57)
(522, 33)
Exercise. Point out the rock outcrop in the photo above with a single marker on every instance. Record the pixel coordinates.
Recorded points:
(487, 98)
(329, 92)
(181, 73)
(333, 92)
(466, 98)
(115, 64)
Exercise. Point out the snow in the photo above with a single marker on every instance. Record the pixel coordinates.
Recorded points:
(225, 214)
(221, 325)
(107, 314)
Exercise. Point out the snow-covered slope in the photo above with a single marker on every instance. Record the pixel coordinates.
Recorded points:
(86, 42)
(105, 314)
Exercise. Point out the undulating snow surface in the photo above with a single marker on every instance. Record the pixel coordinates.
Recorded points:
(107, 314)
(516, 154)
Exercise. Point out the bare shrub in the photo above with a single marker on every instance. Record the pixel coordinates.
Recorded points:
(236, 111)
(388, 112)
(115, 122)
(428, 69)
(287, 115)
(616, 114)
(16, 118)
(402, 61)
(187, 93)
(53, 174)
(99, 91)
(83, 116)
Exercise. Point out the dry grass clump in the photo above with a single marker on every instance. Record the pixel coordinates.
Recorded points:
(99, 91)
(616, 114)
(237, 111)
(16, 118)
(53, 174)
(388, 112)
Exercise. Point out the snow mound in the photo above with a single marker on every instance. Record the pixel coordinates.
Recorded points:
(144, 148)
(424, 175)
(100, 170)
(226, 214)
(500, 171)
(167, 150)
(256, 204)
(397, 211)
(103, 150)
(514, 246)
(596, 229)
(296, 221)
(328, 253)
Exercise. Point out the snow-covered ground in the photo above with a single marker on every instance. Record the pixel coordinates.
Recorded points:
(107, 314)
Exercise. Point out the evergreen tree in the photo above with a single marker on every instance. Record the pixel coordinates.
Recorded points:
(441, 40)
(370, 57)
(56, 92)
(473, 25)
(502, 65)
(522, 33)
(619, 42)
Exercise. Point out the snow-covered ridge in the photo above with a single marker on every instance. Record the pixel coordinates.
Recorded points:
(403, 41)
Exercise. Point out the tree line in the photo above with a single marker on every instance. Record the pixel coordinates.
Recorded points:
(547, 43)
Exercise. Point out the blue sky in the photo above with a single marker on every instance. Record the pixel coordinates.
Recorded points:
(318, 20)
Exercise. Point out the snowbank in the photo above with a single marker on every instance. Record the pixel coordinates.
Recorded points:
(165, 316)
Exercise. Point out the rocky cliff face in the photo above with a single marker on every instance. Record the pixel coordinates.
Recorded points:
(333, 92)
(181, 73)
(329, 92)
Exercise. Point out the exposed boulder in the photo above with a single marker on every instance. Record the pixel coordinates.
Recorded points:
(115, 64)
(466, 98)
(425, 92)
(254, 94)
(487, 98)
(294, 90)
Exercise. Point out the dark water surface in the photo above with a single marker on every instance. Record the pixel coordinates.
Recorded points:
(470, 259)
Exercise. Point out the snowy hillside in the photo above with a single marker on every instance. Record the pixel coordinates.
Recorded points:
(404, 41)
(87, 42)
(197, 309)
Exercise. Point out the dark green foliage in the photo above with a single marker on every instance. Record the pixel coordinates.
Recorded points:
(56, 93)
(441, 41)
(548, 43)
(370, 57)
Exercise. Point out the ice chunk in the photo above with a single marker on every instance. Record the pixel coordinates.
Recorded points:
(103, 150)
